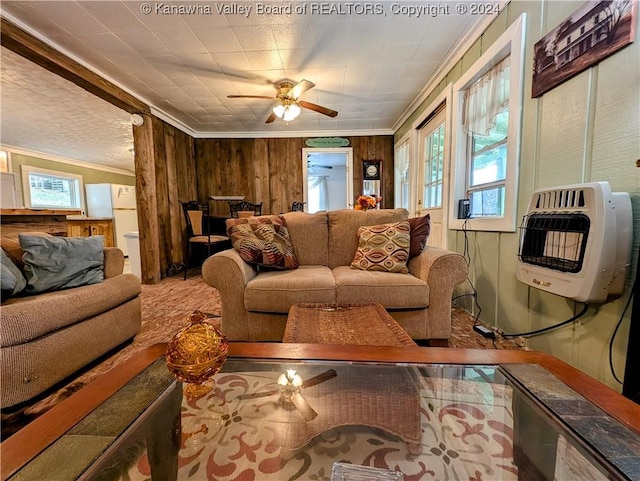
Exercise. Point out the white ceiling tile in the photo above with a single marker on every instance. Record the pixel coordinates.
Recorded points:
(206, 21)
(255, 37)
(298, 58)
(114, 15)
(232, 61)
(294, 36)
(182, 42)
(70, 16)
(158, 22)
(143, 42)
(264, 60)
(105, 43)
(220, 39)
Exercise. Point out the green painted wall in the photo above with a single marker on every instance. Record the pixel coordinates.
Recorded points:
(586, 129)
(89, 176)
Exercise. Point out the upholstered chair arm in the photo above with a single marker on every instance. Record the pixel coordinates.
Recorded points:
(113, 262)
(227, 272)
(443, 270)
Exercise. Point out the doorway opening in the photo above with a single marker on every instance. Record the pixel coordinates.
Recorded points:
(328, 179)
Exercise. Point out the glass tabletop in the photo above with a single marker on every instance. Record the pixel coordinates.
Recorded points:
(288, 420)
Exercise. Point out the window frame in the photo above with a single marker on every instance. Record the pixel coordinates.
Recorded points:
(511, 42)
(26, 170)
(404, 142)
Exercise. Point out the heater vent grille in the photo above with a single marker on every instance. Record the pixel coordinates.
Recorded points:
(560, 199)
(556, 241)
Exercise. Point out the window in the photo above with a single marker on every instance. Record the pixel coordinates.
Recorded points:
(433, 155)
(402, 177)
(487, 103)
(51, 189)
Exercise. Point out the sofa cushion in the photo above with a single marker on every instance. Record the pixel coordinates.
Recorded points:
(277, 291)
(12, 280)
(383, 247)
(343, 230)
(263, 241)
(11, 245)
(392, 290)
(52, 263)
(28, 318)
(420, 229)
(309, 236)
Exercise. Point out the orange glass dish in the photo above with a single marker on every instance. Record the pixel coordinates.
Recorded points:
(196, 353)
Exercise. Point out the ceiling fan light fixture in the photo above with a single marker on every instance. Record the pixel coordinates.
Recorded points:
(279, 110)
(291, 112)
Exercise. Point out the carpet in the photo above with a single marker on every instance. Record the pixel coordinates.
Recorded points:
(165, 307)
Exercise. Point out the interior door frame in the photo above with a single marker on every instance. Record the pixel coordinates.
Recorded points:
(328, 150)
(445, 96)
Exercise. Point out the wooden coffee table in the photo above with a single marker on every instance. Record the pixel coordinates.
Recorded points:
(542, 398)
(357, 324)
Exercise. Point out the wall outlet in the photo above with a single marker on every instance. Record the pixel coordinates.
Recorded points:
(464, 209)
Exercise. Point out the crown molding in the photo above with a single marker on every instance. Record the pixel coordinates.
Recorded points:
(64, 160)
(292, 134)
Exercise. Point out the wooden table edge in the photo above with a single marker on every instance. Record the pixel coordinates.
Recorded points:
(36, 436)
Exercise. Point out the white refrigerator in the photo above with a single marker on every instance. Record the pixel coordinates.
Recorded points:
(115, 201)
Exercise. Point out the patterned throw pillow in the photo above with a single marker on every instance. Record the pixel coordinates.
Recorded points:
(420, 229)
(383, 247)
(263, 241)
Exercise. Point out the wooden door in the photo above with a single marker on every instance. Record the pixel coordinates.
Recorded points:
(432, 189)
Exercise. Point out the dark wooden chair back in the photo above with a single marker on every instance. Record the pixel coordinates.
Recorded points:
(237, 209)
(298, 206)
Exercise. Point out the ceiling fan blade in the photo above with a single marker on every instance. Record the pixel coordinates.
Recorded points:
(271, 118)
(325, 376)
(318, 108)
(303, 406)
(256, 395)
(250, 97)
(298, 89)
(318, 166)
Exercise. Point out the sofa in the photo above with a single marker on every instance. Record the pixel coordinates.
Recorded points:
(47, 337)
(255, 302)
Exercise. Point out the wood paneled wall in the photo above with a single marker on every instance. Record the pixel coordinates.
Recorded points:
(270, 170)
(165, 175)
(171, 167)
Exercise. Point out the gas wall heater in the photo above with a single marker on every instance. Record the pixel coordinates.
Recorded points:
(575, 241)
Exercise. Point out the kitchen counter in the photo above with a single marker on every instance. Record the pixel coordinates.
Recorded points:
(51, 221)
(83, 226)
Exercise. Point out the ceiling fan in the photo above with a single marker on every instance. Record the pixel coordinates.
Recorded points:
(313, 165)
(288, 101)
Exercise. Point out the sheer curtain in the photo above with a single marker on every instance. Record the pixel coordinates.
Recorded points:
(318, 193)
(486, 98)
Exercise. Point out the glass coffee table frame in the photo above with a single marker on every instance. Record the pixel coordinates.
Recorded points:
(549, 385)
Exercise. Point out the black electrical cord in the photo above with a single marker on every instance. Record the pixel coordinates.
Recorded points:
(467, 258)
(549, 328)
(615, 331)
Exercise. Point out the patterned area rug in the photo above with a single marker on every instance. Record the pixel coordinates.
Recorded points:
(165, 307)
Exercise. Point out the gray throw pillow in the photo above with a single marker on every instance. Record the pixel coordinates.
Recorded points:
(53, 263)
(12, 280)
